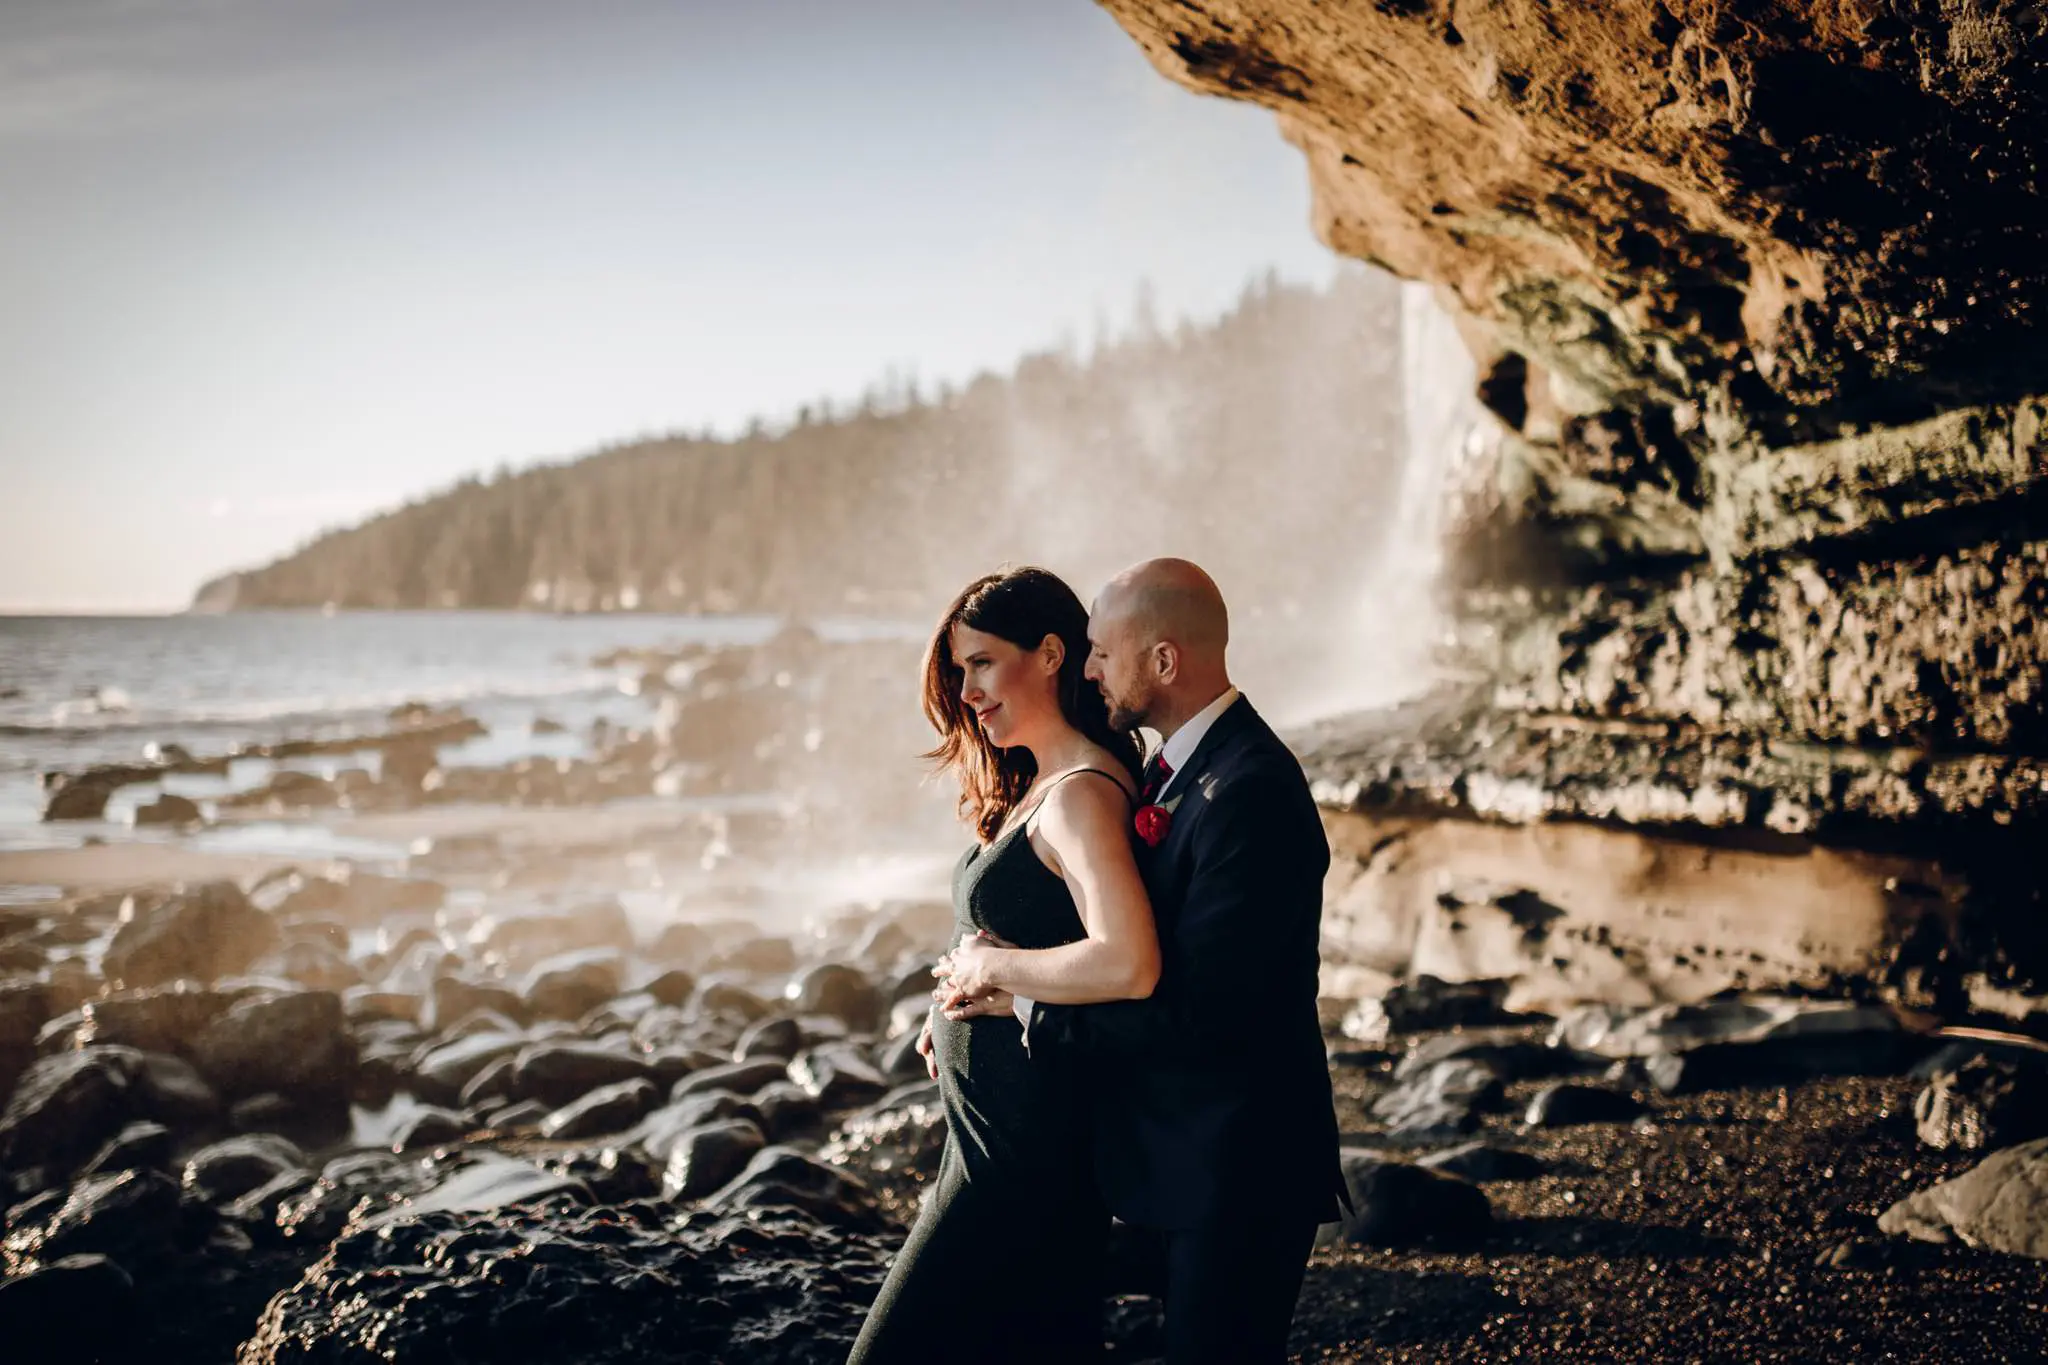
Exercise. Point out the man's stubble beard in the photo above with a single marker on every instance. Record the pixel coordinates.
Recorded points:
(1125, 717)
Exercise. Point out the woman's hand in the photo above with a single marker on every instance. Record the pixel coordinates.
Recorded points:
(924, 1047)
(965, 989)
(994, 1005)
(970, 968)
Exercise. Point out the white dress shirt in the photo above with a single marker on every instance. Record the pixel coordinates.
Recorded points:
(1176, 751)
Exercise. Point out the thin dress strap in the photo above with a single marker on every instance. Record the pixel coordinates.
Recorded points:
(1043, 796)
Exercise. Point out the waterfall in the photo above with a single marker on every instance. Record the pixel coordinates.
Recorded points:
(1383, 646)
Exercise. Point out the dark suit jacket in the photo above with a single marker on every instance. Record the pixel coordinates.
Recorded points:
(1212, 1097)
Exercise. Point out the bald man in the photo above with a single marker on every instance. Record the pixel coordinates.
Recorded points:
(1214, 1123)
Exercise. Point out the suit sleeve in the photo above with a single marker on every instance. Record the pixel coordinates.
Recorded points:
(1254, 900)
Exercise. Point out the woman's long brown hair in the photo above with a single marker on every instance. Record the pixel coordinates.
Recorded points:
(1022, 606)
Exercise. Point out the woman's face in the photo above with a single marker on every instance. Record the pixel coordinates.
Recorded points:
(1009, 689)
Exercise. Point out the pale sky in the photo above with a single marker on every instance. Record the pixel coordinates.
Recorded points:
(267, 266)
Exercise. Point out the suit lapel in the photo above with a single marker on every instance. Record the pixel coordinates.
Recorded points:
(1236, 717)
(1167, 866)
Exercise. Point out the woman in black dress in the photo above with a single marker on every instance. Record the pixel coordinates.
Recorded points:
(1004, 1259)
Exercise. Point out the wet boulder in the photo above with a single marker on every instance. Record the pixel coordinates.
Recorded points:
(202, 933)
(556, 1073)
(776, 1288)
(723, 995)
(455, 998)
(67, 1105)
(297, 1045)
(672, 987)
(1980, 1105)
(492, 1085)
(381, 1071)
(741, 1078)
(787, 1110)
(315, 1215)
(607, 1109)
(667, 1026)
(1426, 1004)
(524, 1114)
(658, 1132)
(162, 1019)
(777, 1036)
(141, 1144)
(229, 1169)
(81, 796)
(839, 1076)
(170, 809)
(1440, 1103)
(365, 1004)
(704, 1159)
(570, 985)
(170, 1090)
(618, 1014)
(256, 1211)
(783, 1177)
(132, 1216)
(1394, 1204)
(442, 1070)
(843, 992)
(1566, 1106)
(490, 1021)
(316, 1122)
(882, 944)
(316, 966)
(430, 1126)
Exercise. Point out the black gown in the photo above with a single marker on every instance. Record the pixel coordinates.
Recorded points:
(1004, 1261)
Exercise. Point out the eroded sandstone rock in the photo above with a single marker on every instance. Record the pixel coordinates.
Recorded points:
(1812, 210)
(2001, 1205)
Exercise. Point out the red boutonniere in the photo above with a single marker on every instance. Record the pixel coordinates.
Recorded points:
(1152, 823)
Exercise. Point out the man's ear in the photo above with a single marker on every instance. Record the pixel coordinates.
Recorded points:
(1166, 659)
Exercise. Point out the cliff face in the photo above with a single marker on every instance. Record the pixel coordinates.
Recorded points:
(1790, 214)
(1758, 549)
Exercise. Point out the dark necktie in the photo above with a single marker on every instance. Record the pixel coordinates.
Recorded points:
(1157, 774)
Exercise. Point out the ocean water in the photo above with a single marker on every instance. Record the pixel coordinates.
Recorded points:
(79, 691)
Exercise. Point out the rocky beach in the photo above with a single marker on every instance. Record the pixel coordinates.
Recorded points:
(1684, 981)
(480, 1102)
